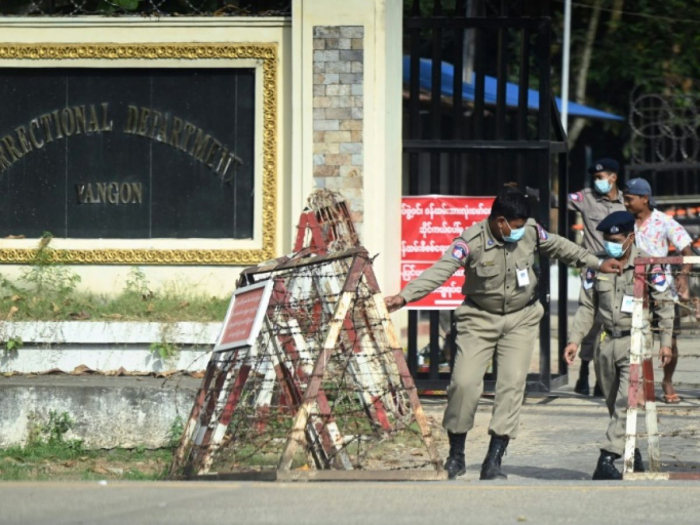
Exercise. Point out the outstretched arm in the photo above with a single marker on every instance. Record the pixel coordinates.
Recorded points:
(455, 256)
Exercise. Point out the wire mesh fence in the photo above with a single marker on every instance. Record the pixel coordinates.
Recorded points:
(158, 8)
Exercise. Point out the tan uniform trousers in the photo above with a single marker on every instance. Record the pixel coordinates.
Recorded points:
(589, 343)
(612, 367)
(481, 335)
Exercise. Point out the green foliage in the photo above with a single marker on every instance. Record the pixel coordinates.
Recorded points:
(175, 432)
(129, 5)
(165, 350)
(47, 290)
(45, 275)
(137, 284)
(650, 44)
(52, 434)
(13, 344)
(48, 454)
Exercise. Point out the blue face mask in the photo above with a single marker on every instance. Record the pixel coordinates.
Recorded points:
(603, 186)
(515, 234)
(615, 249)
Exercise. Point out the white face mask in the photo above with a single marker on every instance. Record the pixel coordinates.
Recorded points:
(515, 233)
(603, 186)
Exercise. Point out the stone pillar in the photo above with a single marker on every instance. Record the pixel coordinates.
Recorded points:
(347, 78)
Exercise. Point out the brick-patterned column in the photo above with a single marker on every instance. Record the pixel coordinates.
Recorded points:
(338, 63)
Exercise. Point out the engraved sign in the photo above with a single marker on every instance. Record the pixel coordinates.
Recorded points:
(135, 153)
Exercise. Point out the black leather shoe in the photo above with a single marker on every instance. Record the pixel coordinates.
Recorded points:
(605, 469)
(455, 464)
(597, 391)
(491, 468)
(582, 387)
(638, 463)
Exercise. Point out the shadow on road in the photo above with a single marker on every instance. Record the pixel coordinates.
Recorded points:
(544, 473)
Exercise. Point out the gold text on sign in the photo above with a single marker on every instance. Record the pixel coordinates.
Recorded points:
(109, 192)
(54, 125)
(185, 136)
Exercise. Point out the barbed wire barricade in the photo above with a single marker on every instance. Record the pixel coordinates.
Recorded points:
(325, 392)
(672, 429)
(157, 8)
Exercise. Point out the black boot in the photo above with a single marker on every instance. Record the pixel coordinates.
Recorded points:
(491, 468)
(582, 387)
(582, 382)
(638, 463)
(455, 464)
(597, 391)
(605, 469)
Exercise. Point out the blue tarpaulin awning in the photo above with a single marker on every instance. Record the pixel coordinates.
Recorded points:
(490, 90)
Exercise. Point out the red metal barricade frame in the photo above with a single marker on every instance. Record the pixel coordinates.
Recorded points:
(641, 381)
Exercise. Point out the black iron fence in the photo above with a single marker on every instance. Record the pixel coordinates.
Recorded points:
(503, 129)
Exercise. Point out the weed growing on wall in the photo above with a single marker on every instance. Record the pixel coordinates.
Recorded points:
(49, 454)
(12, 345)
(48, 291)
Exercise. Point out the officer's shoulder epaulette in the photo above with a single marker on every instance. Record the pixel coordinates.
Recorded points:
(578, 196)
(472, 232)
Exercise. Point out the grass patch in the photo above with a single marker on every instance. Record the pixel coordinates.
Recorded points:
(47, 291)
(48, 455)
(62, 463)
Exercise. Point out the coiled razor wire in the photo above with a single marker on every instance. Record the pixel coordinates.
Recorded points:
(158, 8)
(362, 417)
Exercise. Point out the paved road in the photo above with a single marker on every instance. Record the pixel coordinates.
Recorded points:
(549, 468)
(461, 502)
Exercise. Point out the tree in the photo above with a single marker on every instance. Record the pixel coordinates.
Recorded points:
(636, 43)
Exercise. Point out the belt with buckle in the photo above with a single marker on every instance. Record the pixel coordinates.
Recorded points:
(617, 334)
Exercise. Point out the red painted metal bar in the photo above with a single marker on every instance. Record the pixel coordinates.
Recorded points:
(658, 260)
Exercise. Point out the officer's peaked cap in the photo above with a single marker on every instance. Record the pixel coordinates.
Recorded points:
(617, 222)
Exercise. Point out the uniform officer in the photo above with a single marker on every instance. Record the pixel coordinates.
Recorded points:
(500, 315)
(609, 298)
(594, 205)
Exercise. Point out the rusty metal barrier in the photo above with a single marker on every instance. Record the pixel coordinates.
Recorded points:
(642, 394)
(325, 392)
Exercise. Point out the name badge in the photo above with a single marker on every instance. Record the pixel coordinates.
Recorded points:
(523, 277)
(627, 304)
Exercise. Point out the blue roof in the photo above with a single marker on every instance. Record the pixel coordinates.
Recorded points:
(490, 87)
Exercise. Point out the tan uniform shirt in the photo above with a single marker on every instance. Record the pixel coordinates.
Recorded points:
(492, 267)
(593, 208)
(602, 296)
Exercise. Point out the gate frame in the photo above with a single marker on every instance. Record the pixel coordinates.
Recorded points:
(545, 147)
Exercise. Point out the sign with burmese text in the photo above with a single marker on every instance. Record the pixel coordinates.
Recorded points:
(127, 153)
(245, 316)
(429, 224)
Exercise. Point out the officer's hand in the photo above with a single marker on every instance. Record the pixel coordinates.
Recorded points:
(570, 353)
(665, 356)
(611, 266)
(394, 303)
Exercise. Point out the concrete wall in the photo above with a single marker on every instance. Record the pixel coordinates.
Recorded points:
(109, 412)
(106, 347)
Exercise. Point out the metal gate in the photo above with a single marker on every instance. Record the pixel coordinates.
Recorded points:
(469, 142)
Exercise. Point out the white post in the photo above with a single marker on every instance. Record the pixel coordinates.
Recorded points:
(565, 66)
